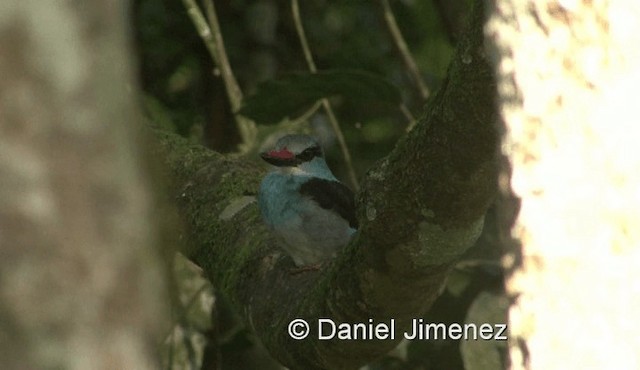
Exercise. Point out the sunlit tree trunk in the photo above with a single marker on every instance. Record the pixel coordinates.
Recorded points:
(80, 287)
(568, 76)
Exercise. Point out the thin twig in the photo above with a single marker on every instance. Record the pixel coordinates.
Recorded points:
(295, 9)
(407, 114)
(212, 37)
(235, 94)
(407, 58)
(201, 25)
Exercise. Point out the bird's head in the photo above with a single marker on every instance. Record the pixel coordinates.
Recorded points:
(296, 152)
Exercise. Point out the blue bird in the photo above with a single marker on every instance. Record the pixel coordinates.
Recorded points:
(302, 201)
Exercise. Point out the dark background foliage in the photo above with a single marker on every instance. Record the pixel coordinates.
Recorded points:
(176, 70)
(182, 92)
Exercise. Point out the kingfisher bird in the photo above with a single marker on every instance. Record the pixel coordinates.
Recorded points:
(303, 202)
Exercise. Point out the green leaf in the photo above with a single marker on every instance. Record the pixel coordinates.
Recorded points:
(291, 95)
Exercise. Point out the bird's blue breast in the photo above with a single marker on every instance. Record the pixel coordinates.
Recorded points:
(312, 231)
(279, 197)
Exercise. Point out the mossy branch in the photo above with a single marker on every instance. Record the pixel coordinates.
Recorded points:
(419, 209)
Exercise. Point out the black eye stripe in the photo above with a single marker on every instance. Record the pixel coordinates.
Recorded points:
(309, 153)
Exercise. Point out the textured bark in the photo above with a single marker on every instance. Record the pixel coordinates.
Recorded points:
(419, 209)
(568, 78)
(80, 283)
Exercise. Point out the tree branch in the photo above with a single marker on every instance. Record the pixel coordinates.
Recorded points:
(420, 209)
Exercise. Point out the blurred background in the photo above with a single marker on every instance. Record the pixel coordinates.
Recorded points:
(183, 93)
(177, 72)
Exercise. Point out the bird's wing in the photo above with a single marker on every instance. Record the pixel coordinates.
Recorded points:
(332, 195)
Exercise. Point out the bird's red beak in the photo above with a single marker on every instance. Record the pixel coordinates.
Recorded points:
(280, 158)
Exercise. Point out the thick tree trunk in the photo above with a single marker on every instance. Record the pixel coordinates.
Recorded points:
(80, 283)
(569, 73)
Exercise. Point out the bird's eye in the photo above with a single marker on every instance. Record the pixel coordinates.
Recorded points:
(309, 153)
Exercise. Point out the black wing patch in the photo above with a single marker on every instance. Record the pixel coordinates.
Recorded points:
(334, 196)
